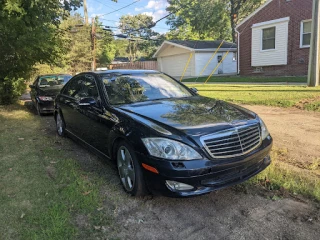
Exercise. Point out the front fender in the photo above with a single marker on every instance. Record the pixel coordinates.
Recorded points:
(132, 133)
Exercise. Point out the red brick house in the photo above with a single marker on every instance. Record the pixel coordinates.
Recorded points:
(275, 39)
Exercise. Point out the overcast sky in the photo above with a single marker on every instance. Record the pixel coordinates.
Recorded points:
(154, 8)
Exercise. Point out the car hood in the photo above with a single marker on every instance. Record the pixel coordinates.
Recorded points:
(50, 91)
(193, 115)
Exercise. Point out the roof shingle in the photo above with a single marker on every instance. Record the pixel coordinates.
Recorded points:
(203, 44)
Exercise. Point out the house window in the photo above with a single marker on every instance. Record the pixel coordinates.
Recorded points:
(219, 58)
(305, 33)
(234, 57)
(269, 38)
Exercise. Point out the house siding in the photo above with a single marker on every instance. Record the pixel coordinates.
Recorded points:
(228, 66)
(277, 56)
(175, 65)
(297, 58)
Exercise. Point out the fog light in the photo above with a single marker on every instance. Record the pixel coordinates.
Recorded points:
(178, 186)
(267, 159)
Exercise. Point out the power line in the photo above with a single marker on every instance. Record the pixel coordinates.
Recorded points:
(120, 8)
(155, 23)
(107, 5)
(108, 20)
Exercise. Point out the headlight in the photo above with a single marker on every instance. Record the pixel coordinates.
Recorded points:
(170, 149)
(264, 130)
(45, 98)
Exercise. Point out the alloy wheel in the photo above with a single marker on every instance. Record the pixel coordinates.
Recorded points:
(126, 168)
(60, 125)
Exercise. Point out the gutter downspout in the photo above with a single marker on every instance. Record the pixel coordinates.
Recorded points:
(238, 49)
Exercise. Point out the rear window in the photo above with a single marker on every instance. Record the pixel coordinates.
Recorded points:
(53, 80)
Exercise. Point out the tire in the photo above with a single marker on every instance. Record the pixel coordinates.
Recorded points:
(60, 125)
(38, 110)
(130, 171)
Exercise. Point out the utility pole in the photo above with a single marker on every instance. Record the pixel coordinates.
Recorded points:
(314, 58)
(85, 8)
(93, 40)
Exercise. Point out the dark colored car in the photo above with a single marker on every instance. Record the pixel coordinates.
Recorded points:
(164, 137)
(44, 90)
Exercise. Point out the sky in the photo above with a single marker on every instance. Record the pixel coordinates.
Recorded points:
(101, 8)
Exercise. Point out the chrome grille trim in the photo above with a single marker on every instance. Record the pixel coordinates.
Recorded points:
(233, 142)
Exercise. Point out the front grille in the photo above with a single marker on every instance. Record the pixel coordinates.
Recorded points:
(231, 143)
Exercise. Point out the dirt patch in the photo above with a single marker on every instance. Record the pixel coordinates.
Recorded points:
(295, 130)
(304, 102)
(82, 221)
(233, 213)
(51, 172)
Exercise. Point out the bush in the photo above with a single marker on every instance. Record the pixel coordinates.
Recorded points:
(11, 89)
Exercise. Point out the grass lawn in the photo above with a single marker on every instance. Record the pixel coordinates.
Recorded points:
(43, 189)
(248, 79)
(285, 177)
(277, 95)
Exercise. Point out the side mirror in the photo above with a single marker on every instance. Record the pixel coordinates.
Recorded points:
(87, 101)
(193, 89)
(32, 86)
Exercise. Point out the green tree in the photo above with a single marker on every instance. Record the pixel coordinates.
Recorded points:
(208, 19)
(205, 19)
(121, 48)
(29, 33)
(76, 44)
(138, 29)
(105, 47)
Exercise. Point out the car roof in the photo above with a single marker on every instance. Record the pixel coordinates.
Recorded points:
(127, 71)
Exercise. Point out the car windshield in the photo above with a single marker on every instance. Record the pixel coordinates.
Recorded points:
(123, 89)
(53, 80)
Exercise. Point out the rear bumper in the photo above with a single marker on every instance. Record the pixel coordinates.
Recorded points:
(205, 175)
(46, 106)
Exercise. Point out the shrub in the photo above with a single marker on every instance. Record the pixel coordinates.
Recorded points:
(11, 89)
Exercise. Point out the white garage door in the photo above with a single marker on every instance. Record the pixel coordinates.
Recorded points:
(175, 65)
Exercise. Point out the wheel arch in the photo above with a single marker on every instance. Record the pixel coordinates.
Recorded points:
(114, 146)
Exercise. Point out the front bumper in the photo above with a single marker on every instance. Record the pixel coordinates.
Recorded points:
(205, 175)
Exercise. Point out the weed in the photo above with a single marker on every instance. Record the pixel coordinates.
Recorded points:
(284, 177)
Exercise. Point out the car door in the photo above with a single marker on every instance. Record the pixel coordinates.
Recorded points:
(69, 102)
(98, 119)
(91, 123)
(87, 117)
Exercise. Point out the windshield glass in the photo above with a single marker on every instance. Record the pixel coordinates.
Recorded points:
(124, 89)
(53, 80)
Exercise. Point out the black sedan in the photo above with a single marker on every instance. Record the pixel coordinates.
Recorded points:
(163, 136)
(44, 90)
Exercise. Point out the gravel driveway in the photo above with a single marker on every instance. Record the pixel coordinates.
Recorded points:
(233, 213)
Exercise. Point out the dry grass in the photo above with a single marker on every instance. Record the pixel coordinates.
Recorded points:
(284, 174)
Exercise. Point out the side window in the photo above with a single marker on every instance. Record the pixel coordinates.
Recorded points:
(269, 38)
(73, 89)
(89, 88)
